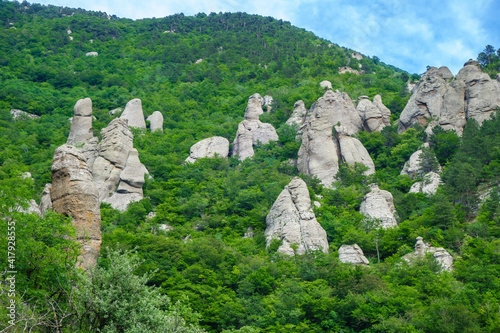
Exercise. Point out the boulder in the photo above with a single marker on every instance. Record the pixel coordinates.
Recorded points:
(209, 147)
(19, 114)
(46, 201)
(413, 167)
(74, 194)
(292, 220)
(91, 54)
(251, 130)
(133, 113)
(267, 101)
(352, 254)
(298, 116)
(379, 205)
(81, 125)
(155, 121)
(375, 116)
(428, 185)
(332, 121)
(325, 84)
(440, 254)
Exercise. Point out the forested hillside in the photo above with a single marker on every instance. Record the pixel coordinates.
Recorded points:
(201, 261)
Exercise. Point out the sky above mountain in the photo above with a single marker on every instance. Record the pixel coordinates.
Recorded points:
(410, 35)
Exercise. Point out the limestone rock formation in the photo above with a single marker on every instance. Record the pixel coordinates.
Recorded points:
(81, 125)
(92, 54)
(413, 167)
(428, 185)
(251, 130)
(155, 121)
(209, 147)
(439, 253)
(325, 84)
(133, 113)
(327, 130)
(375, 116)
(74, 194)
(378, 204)
(19, 114)
(267, 101)
(292, 220)
(46, 201)
(352, 254)
(440, 99)
(299, 114)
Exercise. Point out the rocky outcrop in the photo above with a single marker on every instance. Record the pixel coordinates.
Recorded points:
(298, 116)
(46, 201)
(325, 84)
(414, 166)
(352, 254)
(19, 114)
(267, 101)
(440, 99)
(428, 185)
(74, 194)
(375, 116)
(251, 130)
(292, 221)
(81, 125)
(347, 69)
(379, 205)
(439, 253)
(327, 138)
(209, 147)
(133, 113)
(155, 121)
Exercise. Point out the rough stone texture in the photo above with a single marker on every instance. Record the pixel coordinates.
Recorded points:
(74, 194)
(413, 167)
(19, 114)
(115, 111)
(292, 220)
(440, 99)
(155, 121)
(209, 147)
(375, 116)
(251, 130)
(378, 204)
(321, 150)
(133, 113)
(325, 84)
(298, 116)
(81, 125)
(267, 101)
(352, 254)
(440, 254)
(347, 69)
(428, 185)
(46, 201)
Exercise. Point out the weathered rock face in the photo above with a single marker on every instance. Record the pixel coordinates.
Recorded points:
(46, 201)
(448, 102)
(74, 194)
(428, 185)
(117, 171)
(325, 84)
(292, 220)
(251, 130)
(413, 167)
(374, 116)
(133, 113)
(267, 101)
(19, 114)
(155, 121)
(352, 254)
(322, 148)
(209, 147)
(378, 204)
(81, 125)
(439, 253)
(298, 116)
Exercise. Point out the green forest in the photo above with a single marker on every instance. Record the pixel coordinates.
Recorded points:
(204, 275)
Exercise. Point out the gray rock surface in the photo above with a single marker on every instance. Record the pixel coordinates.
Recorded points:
(292, 220)
(209, 147)
(299, 114)
(413, 167)
(155, 121)
(321, 150)
(267, 101)
(440, 99)
(81, 125)
(46, 201)
(379, 205)
(19, 114)
(440, 254)
(352, 254)
(375, 116)
(133, 113)
(251, 130)
(428, 185)
(325, 84)
(74, 194)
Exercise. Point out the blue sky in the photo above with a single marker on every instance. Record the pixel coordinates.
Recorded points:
(407, 34)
